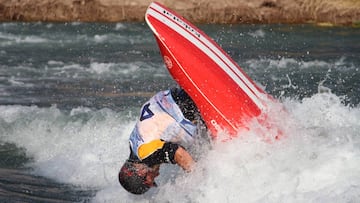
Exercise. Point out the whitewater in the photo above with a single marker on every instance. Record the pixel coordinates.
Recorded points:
(70, 95)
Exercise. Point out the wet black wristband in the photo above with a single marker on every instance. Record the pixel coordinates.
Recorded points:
(169, 152)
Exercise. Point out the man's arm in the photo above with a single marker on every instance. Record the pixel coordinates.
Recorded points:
(184, 159)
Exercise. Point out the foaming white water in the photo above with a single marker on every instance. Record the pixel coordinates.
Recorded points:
(56, 69)
(120, 26)
(286, 63)
(83, 147)
(257, 34)
(317, 161)
(10, 38)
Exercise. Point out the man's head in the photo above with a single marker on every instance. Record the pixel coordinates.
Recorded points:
(137, 178)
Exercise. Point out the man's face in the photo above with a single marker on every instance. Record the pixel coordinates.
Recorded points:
(149, 173)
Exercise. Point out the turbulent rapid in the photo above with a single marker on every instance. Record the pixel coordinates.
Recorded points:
(70, 94)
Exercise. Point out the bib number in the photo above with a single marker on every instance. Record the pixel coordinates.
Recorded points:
(146, 112)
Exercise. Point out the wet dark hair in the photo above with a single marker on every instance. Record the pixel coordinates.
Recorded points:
(131, 180)
(185, 103)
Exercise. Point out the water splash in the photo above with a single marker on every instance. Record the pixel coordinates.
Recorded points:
(318, 160)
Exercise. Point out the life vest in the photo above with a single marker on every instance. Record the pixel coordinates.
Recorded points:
(160, 121)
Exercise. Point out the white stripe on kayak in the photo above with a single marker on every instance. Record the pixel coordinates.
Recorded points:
(210, 49)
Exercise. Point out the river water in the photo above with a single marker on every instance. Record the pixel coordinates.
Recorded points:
(70, 93)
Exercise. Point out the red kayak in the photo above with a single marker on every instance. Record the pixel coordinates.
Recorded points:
(225, 95)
